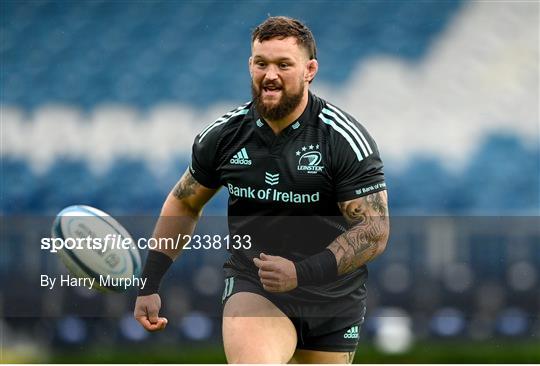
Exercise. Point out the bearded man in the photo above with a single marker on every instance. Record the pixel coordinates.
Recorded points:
(306, 186)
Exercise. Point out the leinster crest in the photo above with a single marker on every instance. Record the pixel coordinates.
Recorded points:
(309, 159)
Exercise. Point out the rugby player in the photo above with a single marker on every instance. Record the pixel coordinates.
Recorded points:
(305, 181)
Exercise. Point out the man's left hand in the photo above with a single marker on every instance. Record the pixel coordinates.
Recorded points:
(277, 274)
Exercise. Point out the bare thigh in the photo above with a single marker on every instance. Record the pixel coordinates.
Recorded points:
(307, 356)
(256, 331)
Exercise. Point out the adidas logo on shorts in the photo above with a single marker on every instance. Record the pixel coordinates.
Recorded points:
(241, 158)
(351, 333)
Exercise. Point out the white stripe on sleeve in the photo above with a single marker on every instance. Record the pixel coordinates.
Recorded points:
(344, 134)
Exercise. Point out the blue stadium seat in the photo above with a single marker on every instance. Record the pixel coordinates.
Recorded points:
(20, 186)
(67, 182)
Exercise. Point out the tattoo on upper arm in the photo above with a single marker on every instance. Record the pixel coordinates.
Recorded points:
(368, 217)
(358, 210)
(186, 186)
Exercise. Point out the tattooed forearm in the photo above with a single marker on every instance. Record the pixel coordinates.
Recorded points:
(185, 186)
(368, 234)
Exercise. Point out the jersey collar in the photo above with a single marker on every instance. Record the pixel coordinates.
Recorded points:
(262, 126)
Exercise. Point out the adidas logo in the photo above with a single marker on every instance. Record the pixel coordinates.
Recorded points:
(351, 333)
(241, 158)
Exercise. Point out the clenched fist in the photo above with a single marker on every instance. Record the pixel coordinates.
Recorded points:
(277, 274)
(147, 313)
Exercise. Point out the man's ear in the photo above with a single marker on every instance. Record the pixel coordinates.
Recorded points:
(250, 59)
(312, 67)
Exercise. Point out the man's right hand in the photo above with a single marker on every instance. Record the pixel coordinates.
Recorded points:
(147, 313)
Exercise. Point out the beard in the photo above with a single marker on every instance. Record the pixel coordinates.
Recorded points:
(286, 104)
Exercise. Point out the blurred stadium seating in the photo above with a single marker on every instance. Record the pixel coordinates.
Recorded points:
(86, 53)
(89, 89)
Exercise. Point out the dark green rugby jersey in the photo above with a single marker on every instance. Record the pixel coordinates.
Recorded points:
(283, 190)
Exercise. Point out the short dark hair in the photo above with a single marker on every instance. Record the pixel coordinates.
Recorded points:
(283, 27)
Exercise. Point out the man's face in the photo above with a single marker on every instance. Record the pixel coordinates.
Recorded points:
(280, 70)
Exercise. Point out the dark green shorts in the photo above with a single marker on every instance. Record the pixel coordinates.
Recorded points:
(332, 326)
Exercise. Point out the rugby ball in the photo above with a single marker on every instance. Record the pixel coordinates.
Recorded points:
(105, 260)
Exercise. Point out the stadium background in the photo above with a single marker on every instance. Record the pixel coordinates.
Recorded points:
(100, 101)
